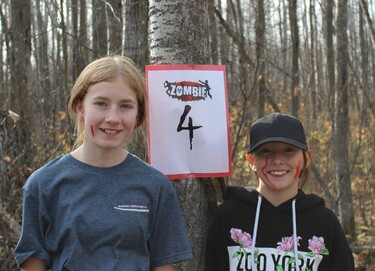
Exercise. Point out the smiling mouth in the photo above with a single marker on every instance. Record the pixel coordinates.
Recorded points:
(278, 173)
(110, 131)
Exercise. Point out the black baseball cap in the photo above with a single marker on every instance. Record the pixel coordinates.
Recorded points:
(277, 127)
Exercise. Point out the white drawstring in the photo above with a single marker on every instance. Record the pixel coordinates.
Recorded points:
(255, 230)
(295, 243)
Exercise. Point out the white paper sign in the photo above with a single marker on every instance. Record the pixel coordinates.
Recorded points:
(188, 131)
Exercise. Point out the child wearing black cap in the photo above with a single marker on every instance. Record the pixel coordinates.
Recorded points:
(276, 226)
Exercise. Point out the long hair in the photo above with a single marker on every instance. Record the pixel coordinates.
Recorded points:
(105, 69)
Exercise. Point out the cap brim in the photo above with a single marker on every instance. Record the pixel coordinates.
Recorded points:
(279, 139)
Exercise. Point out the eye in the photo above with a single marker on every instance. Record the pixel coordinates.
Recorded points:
(100, 103)
(264, 152)
(126, 106)
(290, 150)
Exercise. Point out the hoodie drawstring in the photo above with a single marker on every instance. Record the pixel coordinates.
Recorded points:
(255, 230)
(295, 241)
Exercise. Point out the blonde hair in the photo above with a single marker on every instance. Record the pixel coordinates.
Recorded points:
(104, 69)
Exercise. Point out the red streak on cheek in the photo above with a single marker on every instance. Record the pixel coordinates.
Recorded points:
(298, 170)
(92, 130)
(265, 175)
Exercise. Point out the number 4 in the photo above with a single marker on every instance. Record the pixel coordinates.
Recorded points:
(190, 126)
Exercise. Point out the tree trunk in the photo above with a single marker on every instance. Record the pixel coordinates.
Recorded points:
(341, 123)
(136, 32)
(136, 48)
(295, 48)
(115, 23)
(99, 29)
(21, 54)
(330, 56)
(44, 101)
(178, 35)
(260, 54)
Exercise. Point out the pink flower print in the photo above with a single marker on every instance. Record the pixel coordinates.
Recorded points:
(242, 238)
(316, 245)
(286, 244)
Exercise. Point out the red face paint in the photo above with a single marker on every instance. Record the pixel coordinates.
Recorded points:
(92, 130)
(264, 174)
(298, 170)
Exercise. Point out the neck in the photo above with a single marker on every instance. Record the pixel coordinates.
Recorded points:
(277, 197)
(99, 158)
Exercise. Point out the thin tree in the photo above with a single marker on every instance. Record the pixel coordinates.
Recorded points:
(20, 67)
(178, 35)
(115, 23)
(99, 29)
(261, 55)
(295, 56)
(341, 122)
(136, 48)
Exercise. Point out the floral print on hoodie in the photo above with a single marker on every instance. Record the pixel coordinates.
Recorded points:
(286, 245)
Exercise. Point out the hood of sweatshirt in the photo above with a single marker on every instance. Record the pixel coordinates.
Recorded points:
(301, 202)
(250, 196)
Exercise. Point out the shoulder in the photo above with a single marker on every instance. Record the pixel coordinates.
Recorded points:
(48, 171)
(146, 172)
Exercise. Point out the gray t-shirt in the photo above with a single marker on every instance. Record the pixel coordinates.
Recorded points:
(81, 217)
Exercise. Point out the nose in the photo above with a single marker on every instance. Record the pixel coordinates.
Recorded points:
(112, 115)
(276, 158)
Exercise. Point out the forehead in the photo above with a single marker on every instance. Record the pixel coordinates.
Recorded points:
(116, 88)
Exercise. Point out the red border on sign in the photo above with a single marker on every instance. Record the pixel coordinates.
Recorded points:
(192, 67)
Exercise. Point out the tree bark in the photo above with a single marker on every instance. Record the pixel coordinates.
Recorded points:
(294, 84)
(99, 29)
(20, 67)
(260, 53)
(115, 23)
(178, 35)
(341, 123)
(136, 48)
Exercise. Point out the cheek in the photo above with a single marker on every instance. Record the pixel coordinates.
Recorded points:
(263, 169)
(298, 169)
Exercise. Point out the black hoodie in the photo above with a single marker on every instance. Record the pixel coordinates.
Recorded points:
(320, 242)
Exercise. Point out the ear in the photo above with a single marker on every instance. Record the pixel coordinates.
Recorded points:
(250, 160)
(78, 108)
(308, 158)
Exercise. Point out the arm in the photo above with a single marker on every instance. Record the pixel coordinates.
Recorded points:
(168, 267)
(33, 264)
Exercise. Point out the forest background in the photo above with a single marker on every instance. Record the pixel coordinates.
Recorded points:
(313, 59)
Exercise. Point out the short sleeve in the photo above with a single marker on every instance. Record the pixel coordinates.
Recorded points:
(31, 243)
(169, 241)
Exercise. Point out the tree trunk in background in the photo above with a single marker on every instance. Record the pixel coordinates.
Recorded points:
(20, 67)
(178, 35)
(99, 29)
(261, 56)
(330, 56)
(75, 65)
(214, 33)
(295, 56)
(82, 42)
(44, 100)
(284, 43)
(136, 32)
(64, 42)
(115, 22)
(5, 39)
(136, 48)
(312, 68)
(341, 123)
